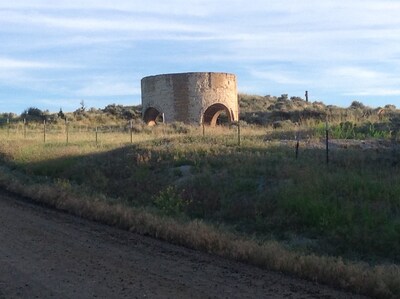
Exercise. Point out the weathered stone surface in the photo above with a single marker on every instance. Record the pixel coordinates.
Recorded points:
(190, 97)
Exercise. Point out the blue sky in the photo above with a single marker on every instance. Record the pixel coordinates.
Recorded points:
(54, 54)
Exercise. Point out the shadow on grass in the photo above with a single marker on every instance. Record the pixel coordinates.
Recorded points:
(350, 207)
(196, 191)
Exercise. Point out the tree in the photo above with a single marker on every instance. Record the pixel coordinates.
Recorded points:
(61, 114)
(357, 105)
(83, 107)
(283, 97)
(33, 111)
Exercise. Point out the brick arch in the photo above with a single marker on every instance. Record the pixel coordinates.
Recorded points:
(212, 113)
(152, 116)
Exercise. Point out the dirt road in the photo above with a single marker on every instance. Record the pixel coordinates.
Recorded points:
(49, 254)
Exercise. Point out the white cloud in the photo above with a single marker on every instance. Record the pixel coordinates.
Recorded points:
(366, 81)
(7, 63)
(109, 23)
(374, 92)
(54, 104)
(175, 7)
(279, 76)
(356, 73)
(109, 87)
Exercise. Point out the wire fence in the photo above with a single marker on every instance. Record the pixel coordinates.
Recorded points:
(130, 132)
(66, 131)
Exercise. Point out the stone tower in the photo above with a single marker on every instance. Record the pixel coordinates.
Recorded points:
(192, 98)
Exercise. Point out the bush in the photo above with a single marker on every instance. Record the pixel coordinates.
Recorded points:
(33, 112)
(357, 105)
(169, 202)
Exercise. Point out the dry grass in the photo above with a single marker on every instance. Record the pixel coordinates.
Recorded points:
(378, 281)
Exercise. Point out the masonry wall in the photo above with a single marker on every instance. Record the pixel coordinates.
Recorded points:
(186, 96)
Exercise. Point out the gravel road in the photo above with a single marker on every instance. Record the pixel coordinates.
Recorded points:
(49, 254)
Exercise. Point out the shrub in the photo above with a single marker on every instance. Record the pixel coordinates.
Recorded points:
(357, 105)
(169, 202)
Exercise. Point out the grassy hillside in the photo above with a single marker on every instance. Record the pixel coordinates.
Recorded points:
(268, 109)
(257, 192)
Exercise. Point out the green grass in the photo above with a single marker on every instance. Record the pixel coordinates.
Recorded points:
(349, 208)
(350, 130)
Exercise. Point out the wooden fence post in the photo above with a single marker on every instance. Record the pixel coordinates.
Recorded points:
(96, 135)
(238, 131)
(25, 128)
(44, 131)
(8, 127)
(66, 130)
(327, 141)
(131, 129)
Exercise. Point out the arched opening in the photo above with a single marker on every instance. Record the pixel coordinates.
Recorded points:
(152, 116)
(217, 114)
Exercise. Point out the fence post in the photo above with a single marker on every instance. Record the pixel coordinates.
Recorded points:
(238, 131)
(327, 141)
(8, 127)
(44, 131)
(25, 128)
(297, 143)
(131, 129)
(66, 130)
(96, 135)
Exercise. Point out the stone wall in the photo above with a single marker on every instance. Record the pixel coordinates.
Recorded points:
(190, 97)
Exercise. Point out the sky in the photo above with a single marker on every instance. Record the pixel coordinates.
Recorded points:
(56, 54)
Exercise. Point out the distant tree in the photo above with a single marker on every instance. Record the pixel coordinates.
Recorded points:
(120, 111)
(357, 105)
(83, 107)
(296, 99)
(283, 97)
(390, 107)
(8, 115)
(113, 109)
(33, 111)
(61, 114)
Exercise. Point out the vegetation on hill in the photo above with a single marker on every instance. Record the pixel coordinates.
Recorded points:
(354, 122)
(265, 110)
(111, 115)
(254, 109)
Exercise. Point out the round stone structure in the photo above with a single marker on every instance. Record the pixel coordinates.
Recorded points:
(192, 98)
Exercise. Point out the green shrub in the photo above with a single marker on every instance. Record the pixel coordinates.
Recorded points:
(169, 202)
